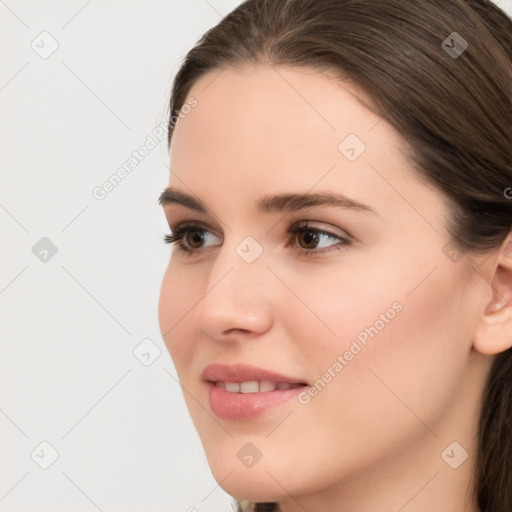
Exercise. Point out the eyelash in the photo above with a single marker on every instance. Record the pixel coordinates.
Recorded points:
(179, 232)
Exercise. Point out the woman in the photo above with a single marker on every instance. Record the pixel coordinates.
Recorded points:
(338, 303)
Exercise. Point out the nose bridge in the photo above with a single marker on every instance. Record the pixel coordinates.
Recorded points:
(240, 266)
(235, 295)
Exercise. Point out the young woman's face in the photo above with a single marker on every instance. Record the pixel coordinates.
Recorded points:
(367, 305)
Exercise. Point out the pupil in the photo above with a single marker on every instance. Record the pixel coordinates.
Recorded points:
(196, 236)
(309, 238)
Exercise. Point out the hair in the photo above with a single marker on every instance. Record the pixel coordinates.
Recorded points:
(455, 112)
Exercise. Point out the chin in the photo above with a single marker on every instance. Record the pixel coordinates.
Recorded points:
(251, 484)
(251, 488)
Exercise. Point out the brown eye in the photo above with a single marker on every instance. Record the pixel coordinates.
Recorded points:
(195, 239)
(308, 239)
(311, 241)
(190, 238)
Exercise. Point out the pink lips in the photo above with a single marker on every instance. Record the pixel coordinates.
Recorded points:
(243, 406)
(241, 372)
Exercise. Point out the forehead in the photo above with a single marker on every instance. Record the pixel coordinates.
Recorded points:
(276, 105)
(277, 115)
(258, 130)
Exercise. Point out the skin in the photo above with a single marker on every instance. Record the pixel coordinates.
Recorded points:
(372, 439)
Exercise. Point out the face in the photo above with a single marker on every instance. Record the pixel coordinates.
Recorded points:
(360, 300)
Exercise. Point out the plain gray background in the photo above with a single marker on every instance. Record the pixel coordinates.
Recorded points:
(92, 417)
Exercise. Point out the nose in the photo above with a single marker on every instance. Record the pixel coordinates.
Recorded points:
(236, 299)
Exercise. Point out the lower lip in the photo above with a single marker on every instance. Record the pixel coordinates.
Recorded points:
(247, 406)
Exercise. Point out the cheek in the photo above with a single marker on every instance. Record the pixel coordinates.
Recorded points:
(339, 309)
(403, 347)
(177, 298)
(391, 301)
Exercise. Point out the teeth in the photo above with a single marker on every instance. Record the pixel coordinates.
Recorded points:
(233, 387)
(267, 385)
(254, 386)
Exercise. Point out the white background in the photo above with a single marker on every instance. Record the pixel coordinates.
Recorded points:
(70, 325)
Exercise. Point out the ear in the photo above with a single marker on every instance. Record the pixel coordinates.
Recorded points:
(494, 330)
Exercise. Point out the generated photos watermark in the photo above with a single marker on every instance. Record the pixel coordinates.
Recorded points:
(356, 346)
(156, 135)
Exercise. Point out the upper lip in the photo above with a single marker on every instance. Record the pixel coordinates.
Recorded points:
(241, 372)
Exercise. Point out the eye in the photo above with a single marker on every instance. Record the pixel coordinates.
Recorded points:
(309, 239)
(305, 239)
(193, 234)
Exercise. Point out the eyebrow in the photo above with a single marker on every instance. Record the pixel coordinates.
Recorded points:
(279, 203)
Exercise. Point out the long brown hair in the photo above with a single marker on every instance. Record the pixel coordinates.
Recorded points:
(449, 95)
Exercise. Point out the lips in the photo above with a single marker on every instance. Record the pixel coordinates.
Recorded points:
(241, 372)
(244, 392)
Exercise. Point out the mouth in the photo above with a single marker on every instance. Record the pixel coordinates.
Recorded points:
(246, 377)
(255, 386)
(244, 392)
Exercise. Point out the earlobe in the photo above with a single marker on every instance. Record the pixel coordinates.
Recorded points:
(494, 330)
